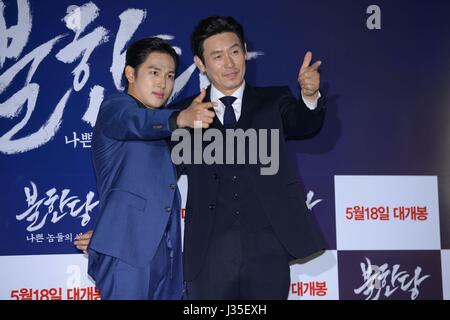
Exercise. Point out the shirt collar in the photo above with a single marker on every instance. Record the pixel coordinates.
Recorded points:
(139, 103)
(215, 94)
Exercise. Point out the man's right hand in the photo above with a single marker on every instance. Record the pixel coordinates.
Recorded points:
(197, 113)
(82, 241)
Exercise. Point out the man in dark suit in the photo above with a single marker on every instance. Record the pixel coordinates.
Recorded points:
(242, 228)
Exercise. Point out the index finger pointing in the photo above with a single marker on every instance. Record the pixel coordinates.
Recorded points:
(306, 60)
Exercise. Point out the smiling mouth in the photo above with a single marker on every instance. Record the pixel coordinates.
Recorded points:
(159, 95)
(231, 74)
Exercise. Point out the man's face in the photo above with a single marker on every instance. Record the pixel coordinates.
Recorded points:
(224, 61)
(152, 82)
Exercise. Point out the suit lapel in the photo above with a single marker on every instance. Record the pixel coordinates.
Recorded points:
(249, 107)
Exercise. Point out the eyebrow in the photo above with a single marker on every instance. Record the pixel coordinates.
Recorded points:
(220, 51)
(159, 69)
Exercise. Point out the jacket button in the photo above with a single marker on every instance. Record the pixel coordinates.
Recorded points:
(234, 177)
(237, 213)
(215, 176)
(236, 196)
(168, 209)
(211, 207)
(173, 186)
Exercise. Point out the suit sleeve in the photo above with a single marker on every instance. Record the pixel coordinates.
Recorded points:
(177, 108)
(123, 120)
(298, 120)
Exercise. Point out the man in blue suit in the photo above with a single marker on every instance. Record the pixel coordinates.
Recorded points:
(135, 251)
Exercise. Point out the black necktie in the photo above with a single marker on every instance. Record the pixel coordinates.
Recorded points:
(229, 118)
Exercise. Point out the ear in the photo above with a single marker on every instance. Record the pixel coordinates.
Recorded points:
(199, 63)
(245, 50)
(130, 74)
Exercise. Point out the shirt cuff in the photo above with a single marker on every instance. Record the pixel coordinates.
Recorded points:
(311, 105)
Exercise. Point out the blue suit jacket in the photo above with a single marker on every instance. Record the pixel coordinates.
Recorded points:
(136, 179)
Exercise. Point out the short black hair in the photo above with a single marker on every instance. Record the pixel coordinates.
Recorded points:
(211, 26)
(138, 51)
